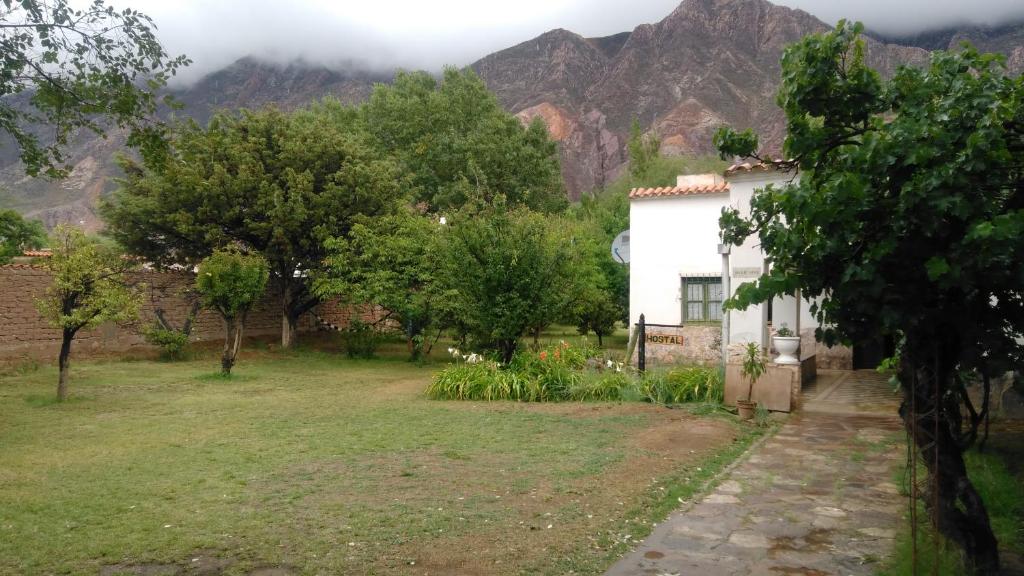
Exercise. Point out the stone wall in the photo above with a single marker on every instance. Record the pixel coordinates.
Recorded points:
(24, 334)
(690, 344)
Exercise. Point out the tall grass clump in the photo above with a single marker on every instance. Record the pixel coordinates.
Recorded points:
(562, 372)
(686, 384)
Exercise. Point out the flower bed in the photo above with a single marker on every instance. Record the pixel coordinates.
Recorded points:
(562, 372)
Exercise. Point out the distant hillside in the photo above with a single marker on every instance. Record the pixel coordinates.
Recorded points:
(708, 63)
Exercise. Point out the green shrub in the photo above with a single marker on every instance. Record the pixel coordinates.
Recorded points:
(464, 381)
(360, 340)
(562, 372)
(172, 343)
(607, 387)
(692, 384)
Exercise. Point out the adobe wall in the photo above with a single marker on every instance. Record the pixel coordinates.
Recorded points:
(25, 335)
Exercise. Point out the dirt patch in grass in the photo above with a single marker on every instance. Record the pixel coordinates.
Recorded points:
(579, 520)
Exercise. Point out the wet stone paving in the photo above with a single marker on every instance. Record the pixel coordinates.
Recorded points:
(819, 497)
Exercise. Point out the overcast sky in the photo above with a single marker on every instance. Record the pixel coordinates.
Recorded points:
(431, 33)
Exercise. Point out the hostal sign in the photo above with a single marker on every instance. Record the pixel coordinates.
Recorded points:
(664, 339)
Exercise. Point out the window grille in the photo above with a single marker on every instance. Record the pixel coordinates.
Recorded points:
(702, 299)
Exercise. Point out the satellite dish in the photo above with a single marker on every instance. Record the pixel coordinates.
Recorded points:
(620, 247)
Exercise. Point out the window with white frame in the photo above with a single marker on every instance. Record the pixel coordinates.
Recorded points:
(702, 298)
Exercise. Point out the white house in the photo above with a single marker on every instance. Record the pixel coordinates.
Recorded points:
(677, 271)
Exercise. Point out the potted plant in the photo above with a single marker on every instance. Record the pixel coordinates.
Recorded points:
(786, 343)
(753, 368)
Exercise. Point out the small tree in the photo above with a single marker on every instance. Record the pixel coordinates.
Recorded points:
(753, 367)
(503, 273)
(87, 289)
(230, 283)
(389, 261)
(18, 234)
(597, 312)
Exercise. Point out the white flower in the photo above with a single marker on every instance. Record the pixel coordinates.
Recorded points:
(609, 364)
(473, 358)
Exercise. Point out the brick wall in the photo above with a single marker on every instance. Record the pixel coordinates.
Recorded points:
(24, 334)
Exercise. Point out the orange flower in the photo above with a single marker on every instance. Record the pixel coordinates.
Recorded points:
(556, 354)
(543, 355)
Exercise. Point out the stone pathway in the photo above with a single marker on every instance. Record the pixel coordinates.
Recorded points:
(817, 498)
(856, 392)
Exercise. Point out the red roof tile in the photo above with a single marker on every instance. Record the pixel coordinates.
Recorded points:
(44, 253)
(679, 190)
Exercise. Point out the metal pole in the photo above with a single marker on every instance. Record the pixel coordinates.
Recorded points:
(724, 250)
(641, 355)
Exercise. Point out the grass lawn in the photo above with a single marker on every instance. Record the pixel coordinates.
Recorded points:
(310, 463)
(998, 475)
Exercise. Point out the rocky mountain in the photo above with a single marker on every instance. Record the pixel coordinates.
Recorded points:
(710, 62)
(707, 63)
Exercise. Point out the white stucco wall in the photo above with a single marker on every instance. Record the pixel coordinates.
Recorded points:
(670, 238)
(747, 325)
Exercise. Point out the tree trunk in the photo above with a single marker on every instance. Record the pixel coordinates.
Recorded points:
(507, 349)
(288, 298)
(232, 342)
(954, 506)
(289, 330)
(600, 339)
(64, 361)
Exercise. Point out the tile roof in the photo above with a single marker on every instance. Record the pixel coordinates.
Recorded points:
(691, 190)
(44, 253)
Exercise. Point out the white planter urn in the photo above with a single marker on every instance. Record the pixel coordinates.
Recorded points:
(787, 347)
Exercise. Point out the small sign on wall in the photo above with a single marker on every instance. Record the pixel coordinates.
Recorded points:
(746, 272)
(672, 339)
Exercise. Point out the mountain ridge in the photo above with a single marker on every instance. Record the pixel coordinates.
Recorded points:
(707, 63)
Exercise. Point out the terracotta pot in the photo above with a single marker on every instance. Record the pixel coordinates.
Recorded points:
(746, 409)
(786, 346)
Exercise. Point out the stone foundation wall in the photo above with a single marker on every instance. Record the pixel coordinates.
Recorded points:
(25, 335)
(690, 344)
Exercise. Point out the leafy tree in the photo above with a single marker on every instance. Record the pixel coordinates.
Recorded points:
(508, 271)
(907, 221)
(18, 234)
(389, 261)
(65, 69)
(598, 312)
(643, 150)
(278, 184)
(456, 143)
(88, 289)
(230, 282)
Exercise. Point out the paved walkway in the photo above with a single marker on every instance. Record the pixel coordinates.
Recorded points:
(817, 498)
